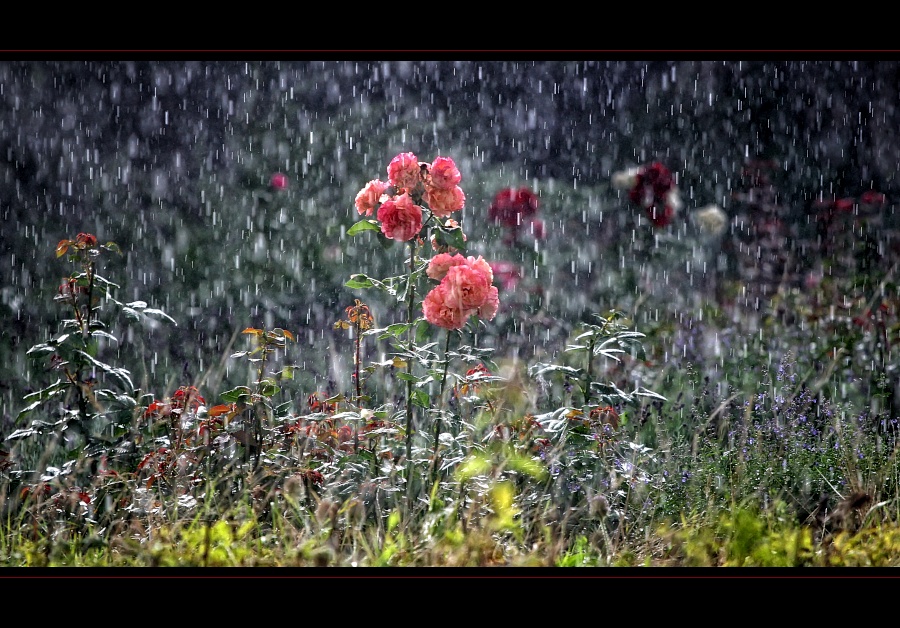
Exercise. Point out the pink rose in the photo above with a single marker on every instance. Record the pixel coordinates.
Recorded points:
(400, 218)
(465, 289)
(441, 263)
(279, 181)
(491, 304)
(368, 198)
(481, 266)
(467, 286)
(404, 171)
(438, 312)
(444, 202)
(444, 173)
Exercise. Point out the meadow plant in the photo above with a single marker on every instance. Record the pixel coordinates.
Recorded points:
(448, 457)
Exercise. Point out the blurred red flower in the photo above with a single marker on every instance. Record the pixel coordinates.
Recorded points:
(871, 197)
(512, 206)
(653, 190)
(507, 273)
(279, 181)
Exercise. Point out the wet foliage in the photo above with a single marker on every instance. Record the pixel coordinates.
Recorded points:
(657, 329)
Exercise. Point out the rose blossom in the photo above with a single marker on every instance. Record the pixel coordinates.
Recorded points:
(655, 191)
(368, 197)
(279, 181)
(441, 263)
(444, 173)
(491, 304)
(844, 204)
(661, 215)
(404, 171)
(438, 312)
(510, 206)
(871, 197)
(400, 218)
(443, 202)
(465, 289)
(481, 265)
(652, 185)
(468, 285)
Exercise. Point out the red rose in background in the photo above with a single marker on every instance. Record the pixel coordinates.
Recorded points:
(871, 197)
(654, 190)
(512, 206)
(843, 205)
(653, 182)
(507, 273)
(662, 215)
(279, 181)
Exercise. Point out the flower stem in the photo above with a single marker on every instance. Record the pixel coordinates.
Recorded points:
(356, 362)
(437, 417)
(590, 370)
(444, 377)
(410, 299)
(90, 296)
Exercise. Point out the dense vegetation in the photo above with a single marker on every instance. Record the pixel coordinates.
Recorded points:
(773, 445)
(241, 372)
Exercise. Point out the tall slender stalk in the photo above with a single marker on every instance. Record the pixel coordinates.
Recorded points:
(440, 408)
(590, 370)
(84, 322)
(410, 336)
(257, 413)
(358, 338)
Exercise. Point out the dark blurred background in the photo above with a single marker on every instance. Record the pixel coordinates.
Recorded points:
(173, 161)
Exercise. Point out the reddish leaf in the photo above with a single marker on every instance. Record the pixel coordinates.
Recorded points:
(219, 409)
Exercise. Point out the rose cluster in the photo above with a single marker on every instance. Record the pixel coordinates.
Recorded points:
(397, 203)
(513, 209)
(868, 201)
(465, 283)
(651, 187)
(465, 288)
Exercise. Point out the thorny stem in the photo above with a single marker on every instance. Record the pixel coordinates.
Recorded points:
(84, 322)
(358, 325)
(90, 296)
(410, 335)
(444, 377)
